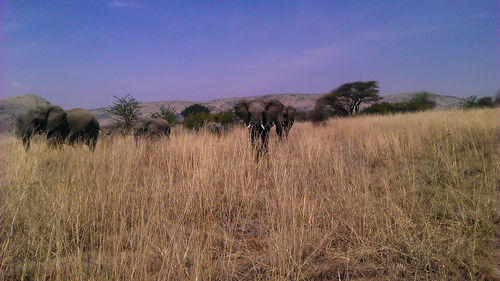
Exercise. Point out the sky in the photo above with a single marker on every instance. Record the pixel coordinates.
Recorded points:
(82, 53)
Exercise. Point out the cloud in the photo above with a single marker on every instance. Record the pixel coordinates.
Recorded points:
(124, 4)
(16, 85)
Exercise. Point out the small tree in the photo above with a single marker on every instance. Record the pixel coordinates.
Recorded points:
(420, 102)
(497, 98)
(198, 120)
(126, 111)
(474, 102)
(226, 118)
(193, 109)
(167, 113)
(318, 115)
(346, 99)
(485, 102)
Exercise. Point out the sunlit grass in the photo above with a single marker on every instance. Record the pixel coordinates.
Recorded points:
(390, 197)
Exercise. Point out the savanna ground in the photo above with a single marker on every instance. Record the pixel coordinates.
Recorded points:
(368, 198)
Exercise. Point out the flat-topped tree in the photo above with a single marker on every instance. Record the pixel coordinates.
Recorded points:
(346, 99)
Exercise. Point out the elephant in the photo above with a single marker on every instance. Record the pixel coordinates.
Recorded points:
(259, 117)
(214, 128)
(83, 126)
(50, 120)
(288, 119)
(152, 128)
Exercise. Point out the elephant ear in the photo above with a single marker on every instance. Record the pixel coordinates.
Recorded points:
(241, 110)
(56, 119)
(274, 110)
(290, 112)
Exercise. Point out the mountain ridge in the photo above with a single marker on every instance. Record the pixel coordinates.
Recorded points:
(13, 106)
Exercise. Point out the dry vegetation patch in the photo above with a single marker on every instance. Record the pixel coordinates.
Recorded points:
(390, 197)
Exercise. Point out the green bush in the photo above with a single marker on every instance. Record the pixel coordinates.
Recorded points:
(194, 109)
(419, 102)
(198, 120)
(474, 102)
(167, 113)
(226, 118)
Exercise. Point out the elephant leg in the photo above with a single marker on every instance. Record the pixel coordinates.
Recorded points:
(265, 140)
(253, 136)
(54, 139)
(136, 138)
(91, 141)
(26, 141)
(279, 130)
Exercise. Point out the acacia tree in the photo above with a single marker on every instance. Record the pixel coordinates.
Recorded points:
(346, 99)
(126, 110)
(167, 113)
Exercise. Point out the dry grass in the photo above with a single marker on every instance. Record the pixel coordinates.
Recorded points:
(392, 197)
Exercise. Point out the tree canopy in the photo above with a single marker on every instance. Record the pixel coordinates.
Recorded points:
(194, 109)
(126, 110)
(167, 113)
(346, 99)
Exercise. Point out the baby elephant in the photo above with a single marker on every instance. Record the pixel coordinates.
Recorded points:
(152, 128)
(215, 128)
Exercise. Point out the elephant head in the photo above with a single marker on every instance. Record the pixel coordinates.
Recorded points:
(259, 117)
(288, 118)
(49, 119)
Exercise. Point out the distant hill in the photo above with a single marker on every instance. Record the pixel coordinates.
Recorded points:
(303, 102)
(11, 107)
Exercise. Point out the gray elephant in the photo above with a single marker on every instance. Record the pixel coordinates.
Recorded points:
(83, 127)
(288, 119)
(215, 128)
(152, 128)
(259, 117)
(50, 120)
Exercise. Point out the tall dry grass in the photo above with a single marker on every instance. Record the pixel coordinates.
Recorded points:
(392, 197)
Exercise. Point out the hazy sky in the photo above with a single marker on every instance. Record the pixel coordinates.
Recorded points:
(81, 53)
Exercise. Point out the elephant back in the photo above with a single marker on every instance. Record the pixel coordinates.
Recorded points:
(80, 119)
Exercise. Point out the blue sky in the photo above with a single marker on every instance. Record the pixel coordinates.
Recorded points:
(82, 53)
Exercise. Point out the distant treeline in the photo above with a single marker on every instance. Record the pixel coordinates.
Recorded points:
(343, 101)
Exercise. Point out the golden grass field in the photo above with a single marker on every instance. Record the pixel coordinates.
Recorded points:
(402, 197)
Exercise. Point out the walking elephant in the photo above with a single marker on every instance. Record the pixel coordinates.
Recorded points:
(83, 127)
(259, 117)
(50, 120)
(152, 128)
(288, 119)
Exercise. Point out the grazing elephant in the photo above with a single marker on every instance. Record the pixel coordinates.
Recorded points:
(260, 116)
(48, 119)
(152, 128)
(288, 118)
(83, 126)
(215, 128)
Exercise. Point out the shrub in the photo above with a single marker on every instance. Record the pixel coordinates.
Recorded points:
(198, 120)
(474, 102)
(167, 113)
(226, 118)
(318, 115)
(194, 109)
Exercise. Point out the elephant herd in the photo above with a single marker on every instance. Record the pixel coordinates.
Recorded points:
(79, 125)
